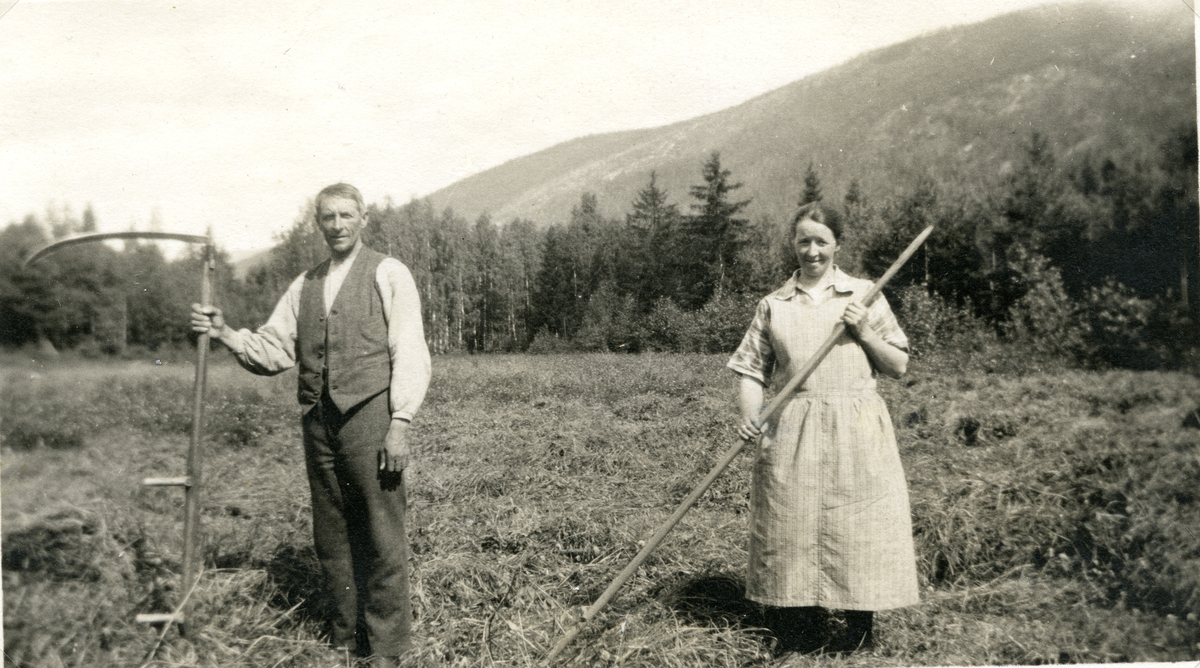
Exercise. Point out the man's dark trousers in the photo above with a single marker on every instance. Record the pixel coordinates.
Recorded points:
(358, 525)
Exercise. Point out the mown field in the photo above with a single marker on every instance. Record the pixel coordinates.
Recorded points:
(1057, 516)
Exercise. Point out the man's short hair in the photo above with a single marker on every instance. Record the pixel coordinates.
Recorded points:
(344, 190)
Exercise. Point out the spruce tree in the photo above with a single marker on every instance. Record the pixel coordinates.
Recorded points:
(812, 186)
(718, 233)
(657, 246)
(854, 195)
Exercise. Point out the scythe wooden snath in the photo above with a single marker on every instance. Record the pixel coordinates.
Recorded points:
(780, 398)
(192, 481)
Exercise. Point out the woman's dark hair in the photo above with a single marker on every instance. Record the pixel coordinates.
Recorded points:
(819, 213)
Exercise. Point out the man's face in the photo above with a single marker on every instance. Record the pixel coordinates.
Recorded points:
(341, 222)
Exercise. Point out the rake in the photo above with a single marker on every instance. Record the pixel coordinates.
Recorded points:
(780, 398)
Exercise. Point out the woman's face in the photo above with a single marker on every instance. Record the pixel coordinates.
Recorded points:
(815, 247)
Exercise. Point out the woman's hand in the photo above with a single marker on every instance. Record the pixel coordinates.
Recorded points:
(855, 318)
(748, 432)
(888, 359)
(750, 401)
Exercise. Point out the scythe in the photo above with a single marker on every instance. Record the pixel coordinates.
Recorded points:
(190, 482)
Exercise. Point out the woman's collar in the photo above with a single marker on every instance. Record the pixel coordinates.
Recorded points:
(834, 276)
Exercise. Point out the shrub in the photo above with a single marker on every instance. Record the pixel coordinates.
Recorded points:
(1117, 326)
(669, 328)
(1045, 319)
(545, 343)
(723, 321)
(1110, 326)
(717, 327)
(931, 323)
(609, 323)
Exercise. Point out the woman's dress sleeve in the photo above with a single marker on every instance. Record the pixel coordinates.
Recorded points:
(881, 319)
(755, 357)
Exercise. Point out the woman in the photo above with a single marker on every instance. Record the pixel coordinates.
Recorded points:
(830, 523)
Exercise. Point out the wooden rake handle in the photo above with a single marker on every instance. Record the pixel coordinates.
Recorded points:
(732, 453)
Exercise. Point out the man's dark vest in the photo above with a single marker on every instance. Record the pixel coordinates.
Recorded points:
(346, 353)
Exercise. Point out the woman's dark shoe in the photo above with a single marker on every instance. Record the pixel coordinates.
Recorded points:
(859, 635)
(797, 630)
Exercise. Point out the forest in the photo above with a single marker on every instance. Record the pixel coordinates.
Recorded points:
(1088, 261)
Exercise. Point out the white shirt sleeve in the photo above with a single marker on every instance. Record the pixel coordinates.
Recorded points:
(271, 349)
(411, 367)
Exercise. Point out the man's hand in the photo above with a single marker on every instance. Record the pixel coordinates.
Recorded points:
(393, 456)
(208, 320)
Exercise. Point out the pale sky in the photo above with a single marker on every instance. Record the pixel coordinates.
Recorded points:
(232, 114)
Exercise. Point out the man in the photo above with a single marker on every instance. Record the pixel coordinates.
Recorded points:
(353, 324)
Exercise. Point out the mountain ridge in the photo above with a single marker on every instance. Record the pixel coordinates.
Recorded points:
(958, 102)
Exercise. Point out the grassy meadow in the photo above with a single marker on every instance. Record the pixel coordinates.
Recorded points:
(1057, 516)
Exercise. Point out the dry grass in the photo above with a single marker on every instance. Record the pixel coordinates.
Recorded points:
(1054, 517)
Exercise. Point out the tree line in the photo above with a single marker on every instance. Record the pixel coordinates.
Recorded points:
(1090, 257)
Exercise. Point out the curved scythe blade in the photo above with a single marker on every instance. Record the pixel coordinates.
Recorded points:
(105, 236)
(191, 520)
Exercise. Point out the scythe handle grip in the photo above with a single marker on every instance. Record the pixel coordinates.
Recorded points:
(191, 504)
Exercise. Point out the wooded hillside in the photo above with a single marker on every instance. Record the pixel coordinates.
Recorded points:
(959, 104)
(1061, 178)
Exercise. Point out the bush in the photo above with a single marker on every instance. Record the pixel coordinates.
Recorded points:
(1045, 320)
(669, 328)
(717, 327)
(932, 324)
(722, 322)
(1117, 326)
(609, 323)
(545, 343)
